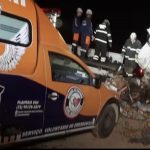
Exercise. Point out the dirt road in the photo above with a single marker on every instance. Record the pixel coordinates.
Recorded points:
(127, 134)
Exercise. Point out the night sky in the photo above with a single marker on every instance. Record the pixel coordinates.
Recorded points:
(125, 17)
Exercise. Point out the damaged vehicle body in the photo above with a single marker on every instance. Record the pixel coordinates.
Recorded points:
(133, 91)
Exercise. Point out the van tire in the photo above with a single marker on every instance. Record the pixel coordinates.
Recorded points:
(106, 122)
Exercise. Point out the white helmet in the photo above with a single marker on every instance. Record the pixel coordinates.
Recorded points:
(79, 10)
(133, 35)
(89, 12)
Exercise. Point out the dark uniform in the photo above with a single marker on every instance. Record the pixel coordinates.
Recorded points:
(102, 37)
(76, 29)
(86, 34)
(130, 50)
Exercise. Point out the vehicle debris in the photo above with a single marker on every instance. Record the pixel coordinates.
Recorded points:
(133, 93)
(134, 96)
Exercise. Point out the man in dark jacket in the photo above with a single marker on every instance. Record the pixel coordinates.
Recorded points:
(130, 51)
(86, 33)
(76, 27)
(102, 39)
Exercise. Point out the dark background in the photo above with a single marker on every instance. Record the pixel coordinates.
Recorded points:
(125, 17)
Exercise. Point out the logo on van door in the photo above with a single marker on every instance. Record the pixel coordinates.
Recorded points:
(73, 102)
(2, 88)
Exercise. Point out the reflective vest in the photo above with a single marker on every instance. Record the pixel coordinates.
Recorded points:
(131, 49)
(102, 34)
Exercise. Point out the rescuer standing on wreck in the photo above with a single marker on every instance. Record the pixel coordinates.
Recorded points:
(86, 33)
(102, 39)
(76, 29)
(130, 51)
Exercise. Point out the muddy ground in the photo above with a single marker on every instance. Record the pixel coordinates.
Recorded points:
(127, 134)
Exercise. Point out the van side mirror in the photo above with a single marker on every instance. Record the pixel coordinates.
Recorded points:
(96, 82)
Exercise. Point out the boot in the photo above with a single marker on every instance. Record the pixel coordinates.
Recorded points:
(83, 55)
(74, 48)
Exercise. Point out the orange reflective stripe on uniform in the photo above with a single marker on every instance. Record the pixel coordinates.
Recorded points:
(76, 36)
(87, 40)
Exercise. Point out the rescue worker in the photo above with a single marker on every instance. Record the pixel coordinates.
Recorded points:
(102, 39)
(76, 29)
(130, 51)
(86, 33)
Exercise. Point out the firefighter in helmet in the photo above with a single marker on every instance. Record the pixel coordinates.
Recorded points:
(76, 29)
(102, 39)
(86, 33)
(130, 51)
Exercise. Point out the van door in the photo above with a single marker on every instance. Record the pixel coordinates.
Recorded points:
(73, 103)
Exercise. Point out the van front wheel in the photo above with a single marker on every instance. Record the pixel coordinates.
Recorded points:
(106, 122)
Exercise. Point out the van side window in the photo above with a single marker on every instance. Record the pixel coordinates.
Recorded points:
(14, 30)
(65, 69)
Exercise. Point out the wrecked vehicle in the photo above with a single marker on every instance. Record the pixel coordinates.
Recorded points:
(133, 91)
